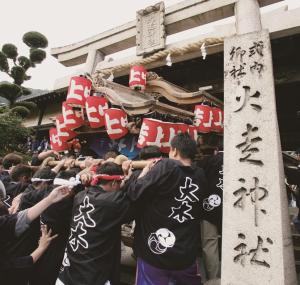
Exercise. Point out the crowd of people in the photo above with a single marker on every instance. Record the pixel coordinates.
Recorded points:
(61, 216)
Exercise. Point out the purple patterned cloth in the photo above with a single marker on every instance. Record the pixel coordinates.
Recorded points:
(150, 275)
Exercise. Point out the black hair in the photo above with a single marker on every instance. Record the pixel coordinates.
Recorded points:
(86, 151)
(11, 159)
(113, 153)
(21, 170)
(35, 161)
(75, 170)
(45, 173)
(150, 151)
(66, 174)
(185, 145)
(109, 168)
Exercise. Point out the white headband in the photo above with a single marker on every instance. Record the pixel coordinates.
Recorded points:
(40, 180)
(73, 181)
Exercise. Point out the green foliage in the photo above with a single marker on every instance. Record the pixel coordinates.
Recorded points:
(21, 111)
(25, 91)
(10, 91)
(27, 77)
(12, 133)
(35, 40)
(24, 62)
(37, 55)
(18, 74)
(10, 51)
(3, 62)
(31, 106)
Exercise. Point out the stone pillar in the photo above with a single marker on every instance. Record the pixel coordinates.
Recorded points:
(93, 58)
(257, 246)
(247, 17)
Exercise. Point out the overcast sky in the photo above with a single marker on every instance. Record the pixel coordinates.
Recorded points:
(65, 22)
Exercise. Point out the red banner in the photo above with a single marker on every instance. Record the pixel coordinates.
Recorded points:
(203, 118)
(95, 107)
(79, 90)
(192, 130)
(137, 77)
(63, 133)
(152, 133)
(116, 123)
(156, 132)
(218, 121)
(55, 142)
(73, 119)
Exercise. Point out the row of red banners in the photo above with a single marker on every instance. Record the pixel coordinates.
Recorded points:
(78, 103)
(153, 132)
(159, 133)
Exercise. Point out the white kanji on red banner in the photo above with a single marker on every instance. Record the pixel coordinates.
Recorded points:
(152, 133)
(115, 123)
(63, 133)
(55, 141)
(218, 119)
(203, 118)
(95, 107)
(79, 90)
(72, 119)
(192, 130)
(137, 77)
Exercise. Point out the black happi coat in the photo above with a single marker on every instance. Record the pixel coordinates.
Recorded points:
(13, 270)
(167, 233)
(13, 189)
(213, 198)
(94, 247)
(5, 177)
(57, 217)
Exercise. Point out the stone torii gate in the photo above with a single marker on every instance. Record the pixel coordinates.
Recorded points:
(257, 245)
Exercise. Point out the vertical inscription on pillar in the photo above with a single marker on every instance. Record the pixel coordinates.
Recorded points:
(254, 205)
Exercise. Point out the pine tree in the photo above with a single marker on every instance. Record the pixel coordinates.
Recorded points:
(16, 66)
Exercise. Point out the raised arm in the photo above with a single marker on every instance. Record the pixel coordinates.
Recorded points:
(56, 195)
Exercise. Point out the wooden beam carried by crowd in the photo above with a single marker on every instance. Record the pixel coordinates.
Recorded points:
(135, 102)
(138, 103)
(167, 109)
(173, 93)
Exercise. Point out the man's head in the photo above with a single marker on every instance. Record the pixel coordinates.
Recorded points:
(183, 147)
(43, 178)
(109, 172)
(11, 160)
(149, 152)
(111, 154)
(21, 173)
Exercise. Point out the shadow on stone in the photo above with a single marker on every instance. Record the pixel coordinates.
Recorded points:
(213, 282)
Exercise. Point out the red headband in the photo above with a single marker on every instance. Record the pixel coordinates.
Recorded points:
(99, 177)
